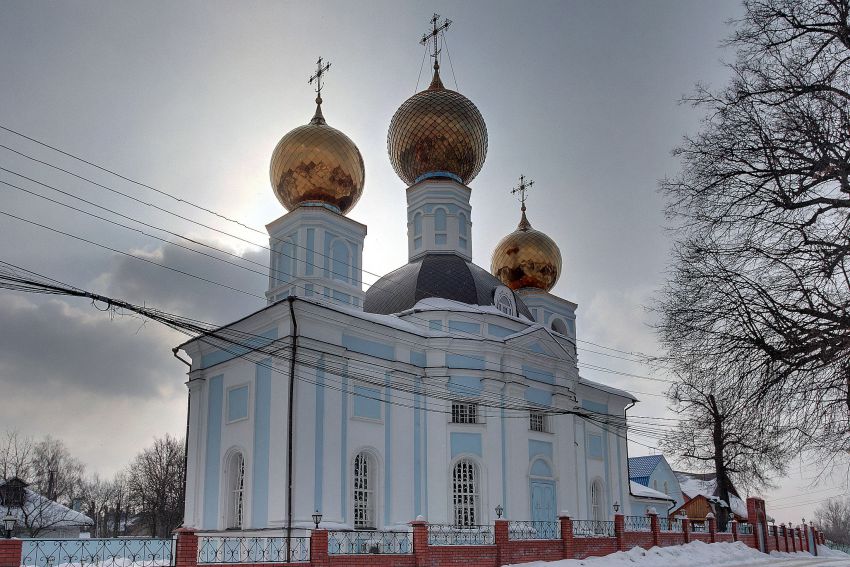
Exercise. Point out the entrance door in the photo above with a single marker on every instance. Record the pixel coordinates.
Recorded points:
(542, 501)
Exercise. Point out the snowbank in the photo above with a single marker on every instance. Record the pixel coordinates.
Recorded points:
(694, 554)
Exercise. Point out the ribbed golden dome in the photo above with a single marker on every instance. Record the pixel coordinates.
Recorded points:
(437, 131)
(526, 258)
(319, 164)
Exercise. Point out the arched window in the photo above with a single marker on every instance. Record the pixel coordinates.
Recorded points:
(440, 226)
(666, 488)
(504, 306)
(465, 493)
(235, 491)
(417, 230)
(364, 491)
(341, 265)
(461, 230)
(559, 326)
(597, 501)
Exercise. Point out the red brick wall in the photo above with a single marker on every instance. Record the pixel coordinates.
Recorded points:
(524, 551)
(372, 560)
(10, 552)
(594, 546)
(638, 539)
(723, 536)
(462, 556)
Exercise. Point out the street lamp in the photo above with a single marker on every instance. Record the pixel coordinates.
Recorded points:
(9, 524)
(317, 517)
(616, 507)
(499, 510)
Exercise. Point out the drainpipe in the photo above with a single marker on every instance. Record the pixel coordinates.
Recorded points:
(293, 351)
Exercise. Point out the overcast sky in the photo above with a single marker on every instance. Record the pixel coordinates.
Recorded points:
(192, 97)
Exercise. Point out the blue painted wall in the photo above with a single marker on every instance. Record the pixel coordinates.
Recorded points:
(365, 346)
(212, 468)
(463, 361)
(262, 434)
(465, 443)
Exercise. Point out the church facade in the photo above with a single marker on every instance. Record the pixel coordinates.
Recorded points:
(444, 390)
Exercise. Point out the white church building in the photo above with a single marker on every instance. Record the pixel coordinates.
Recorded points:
(444, 390)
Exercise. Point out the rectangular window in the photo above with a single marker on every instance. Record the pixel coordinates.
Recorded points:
(537, 421)
(237, 403)
(367, 403)
(464, 412)
(594, 446)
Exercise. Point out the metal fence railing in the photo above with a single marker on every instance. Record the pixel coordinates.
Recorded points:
(593, 528)
(637, 524)
(447, 534)
(745, 528)
(369, 542)
(99, 552)
(519, 530)
(223, 550)
(670, 524)
(699, 526)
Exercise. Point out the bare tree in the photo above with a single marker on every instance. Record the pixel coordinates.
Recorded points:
(156, 485)
(55, 473)
(833, 519)
(759, 291)
(15, 456)
(718, 432)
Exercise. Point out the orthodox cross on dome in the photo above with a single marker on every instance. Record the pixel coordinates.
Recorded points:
(521, 189)
(317, 78)
(432, 36)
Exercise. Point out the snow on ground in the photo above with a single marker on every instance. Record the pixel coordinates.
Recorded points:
(699, 554)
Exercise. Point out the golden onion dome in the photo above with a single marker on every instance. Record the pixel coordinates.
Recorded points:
(315, 163)
(437, 131)
(526, 258)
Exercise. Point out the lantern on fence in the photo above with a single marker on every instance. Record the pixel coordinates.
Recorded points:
(616, 507)
(9, 524)
(317, 517)
(499, 510)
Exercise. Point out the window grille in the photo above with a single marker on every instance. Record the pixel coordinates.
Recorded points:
(465, 493)
(596, 507)
(364, 492)
(464, 412)
(237, 504)
(537, 421)
(504, 306)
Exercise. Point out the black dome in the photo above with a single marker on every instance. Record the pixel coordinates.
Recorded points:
(447, 276)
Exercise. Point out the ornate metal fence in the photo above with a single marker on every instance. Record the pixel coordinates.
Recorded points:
(745, 528)
(592, 528)
(670, 525)
(360, 542)
(637, 524)
(699, 526)
(445, 534)
(534, 530)
(219, 549)
(100, 552)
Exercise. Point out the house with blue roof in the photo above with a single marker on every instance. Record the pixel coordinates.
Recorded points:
(653, 471)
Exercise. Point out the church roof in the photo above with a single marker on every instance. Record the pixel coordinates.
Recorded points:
(640, 468)
(447, 276)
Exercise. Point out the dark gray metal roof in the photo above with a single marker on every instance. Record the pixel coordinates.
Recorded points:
(447, 276)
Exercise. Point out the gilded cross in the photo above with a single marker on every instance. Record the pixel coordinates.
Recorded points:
(436, 29)
(522, 188)
(317, 78)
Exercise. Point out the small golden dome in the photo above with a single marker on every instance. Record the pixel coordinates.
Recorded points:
(526, 258)
(319, 164)
(437, 131)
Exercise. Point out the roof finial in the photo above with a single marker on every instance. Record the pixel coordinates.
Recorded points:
(318, 118)
(432, 37)
(523, 187)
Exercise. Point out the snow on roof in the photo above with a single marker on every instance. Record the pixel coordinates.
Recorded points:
(643, 466)
(642, 491)
(693, 484)
(40, 512)
(604, 388)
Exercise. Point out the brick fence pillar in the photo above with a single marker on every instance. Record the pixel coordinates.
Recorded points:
(712, 527)
(734, 529)
(567, 544)
(776, 536)
(654, 527)
(619, 531)
(186, 549)
(793, 540)
(804, 541)
(814, 533)
(420, 541)
(10, 552)
(686, 529)
(502, 540)
(319, 548)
